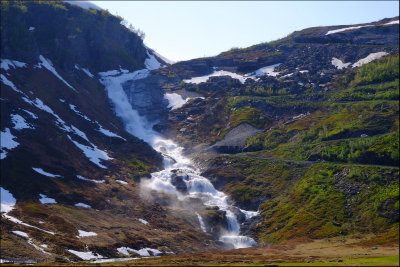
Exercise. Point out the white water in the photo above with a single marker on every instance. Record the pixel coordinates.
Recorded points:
(174, 159)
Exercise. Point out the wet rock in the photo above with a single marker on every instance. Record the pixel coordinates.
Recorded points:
(177, 179)
(247, 227)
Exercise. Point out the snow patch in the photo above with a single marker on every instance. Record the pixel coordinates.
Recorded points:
(151, 62)
(9, 83)
(83, 205)
(392, 22)
(346, 29)
(15, 220)
(144, 252)
(85, 234)
(109, 73)
(143, 221)
(46, 200)
(217, 73)
(86, 71)
(92, 153)
(90, 180)
(7, 142)
(339, 64)
(49, 66)
(268, 70)
(175, 100)
(73, 107)
(30, 113)
(371, 57)
(121, 182)
(31, 28)
(108, 133)
(19, 122)
(123, 109)
(85, 255)
(42, 172)
(20, 233)
(7, 63)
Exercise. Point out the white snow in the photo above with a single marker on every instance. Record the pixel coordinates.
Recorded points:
(392, 22)
(7, 200)
(7, 63)
(42, 172)
(30, 241)
(73, 107)
(175, 100)
(86, 71)
(267, 70)
(144, 252)
(20, 233)
(83, 205)
(7, 204)
(123, 109)
(92, 153)
(49, 66)
(31, 28)
(9, 83)
(7, 142)
(44, 246)
(46, 200)
(303, 71)
(109, 73)
(30, 113)
(84, 4)
(91, 180)
(62, 100)
(121, 182)
(85, 234)
(85, 255)
(339, 64)
(202, 225)
(108, 133)
(346, 29)
(19, 122)
(151, 62)
(80, 133)
(371, 57)
(216, 73)
(143, 221)
(287, 75)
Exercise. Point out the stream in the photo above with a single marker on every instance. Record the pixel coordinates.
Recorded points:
(197, 186)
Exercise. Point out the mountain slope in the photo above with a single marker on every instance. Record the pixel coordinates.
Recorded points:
(310, 122)
(317, 113)
(66, 158)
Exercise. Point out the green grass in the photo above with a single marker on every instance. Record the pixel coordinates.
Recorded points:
(351, 261)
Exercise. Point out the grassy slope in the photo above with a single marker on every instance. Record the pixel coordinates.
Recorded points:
(320, 200)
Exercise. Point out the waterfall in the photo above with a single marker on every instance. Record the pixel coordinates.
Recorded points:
(197, 186)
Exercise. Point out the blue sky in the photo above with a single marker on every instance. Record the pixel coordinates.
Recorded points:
(181, 30)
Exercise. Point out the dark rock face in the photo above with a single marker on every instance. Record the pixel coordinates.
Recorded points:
(146, 96)
(69, 36)
(215, 220)
(177, 179)
(247, 227)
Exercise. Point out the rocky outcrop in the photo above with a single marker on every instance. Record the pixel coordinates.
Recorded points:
(235, 140)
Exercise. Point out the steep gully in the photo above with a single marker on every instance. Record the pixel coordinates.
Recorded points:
(198, 187)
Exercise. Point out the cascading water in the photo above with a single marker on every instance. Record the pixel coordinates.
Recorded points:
(197, 186)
